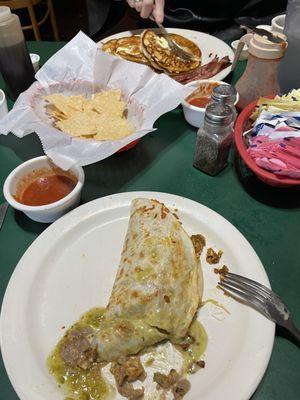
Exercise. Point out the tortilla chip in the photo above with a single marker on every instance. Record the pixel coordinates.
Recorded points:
(79, 124)
(62, 106)
(88, 106)
(111, 94)
(58, 115)
(109, 103)
(68, 105)
(113, 128)
(77, 102)
(99, 118)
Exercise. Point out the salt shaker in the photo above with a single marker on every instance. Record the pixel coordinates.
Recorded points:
(225, 94)
(214, 139)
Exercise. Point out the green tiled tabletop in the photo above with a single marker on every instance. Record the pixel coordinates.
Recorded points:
(269, 218)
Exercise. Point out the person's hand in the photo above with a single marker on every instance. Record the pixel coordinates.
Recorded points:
(148, 7)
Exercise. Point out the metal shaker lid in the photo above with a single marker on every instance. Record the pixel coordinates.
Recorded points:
(218, 113)
(224, 93)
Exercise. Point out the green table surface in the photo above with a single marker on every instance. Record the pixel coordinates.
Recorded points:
(268, 217)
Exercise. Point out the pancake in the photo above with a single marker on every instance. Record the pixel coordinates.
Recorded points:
(157, 51)
(110, 46)
(157, 290)
(128, 48)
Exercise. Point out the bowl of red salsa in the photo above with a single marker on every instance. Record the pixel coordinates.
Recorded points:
(43, 191)
(195, 104)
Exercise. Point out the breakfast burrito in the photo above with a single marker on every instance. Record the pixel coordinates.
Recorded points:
(156, 294)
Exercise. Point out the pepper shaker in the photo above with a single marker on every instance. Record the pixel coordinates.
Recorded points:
(214, 139)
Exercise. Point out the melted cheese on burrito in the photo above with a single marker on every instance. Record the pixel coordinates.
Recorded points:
(158, 277)
(158, 286)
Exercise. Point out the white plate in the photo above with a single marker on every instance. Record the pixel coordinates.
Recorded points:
(71, 267)
(209, 45)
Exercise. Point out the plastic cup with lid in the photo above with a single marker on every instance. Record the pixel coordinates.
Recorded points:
(277, 23)
(5, 13)
(244, 53)
(35, 59)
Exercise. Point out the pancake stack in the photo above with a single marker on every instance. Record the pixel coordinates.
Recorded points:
(153, 50)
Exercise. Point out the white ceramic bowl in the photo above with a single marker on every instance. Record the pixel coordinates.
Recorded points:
(48, 212)
(3, 104)
(35, 59)
(195, 115)
(244, 52)
(277, 23)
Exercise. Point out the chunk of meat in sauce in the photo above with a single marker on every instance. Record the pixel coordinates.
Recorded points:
(128, 391)
(166, 381)
(180, 389)
(185, 344)
(195, 366)
(127, 370)
(172, 381)
(212, 257)
(77, 351)
(199, 243)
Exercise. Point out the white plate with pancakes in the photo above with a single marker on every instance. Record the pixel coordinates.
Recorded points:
(71, 267)
(209, 46)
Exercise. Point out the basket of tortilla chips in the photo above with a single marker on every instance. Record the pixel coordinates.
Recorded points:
(87, 105)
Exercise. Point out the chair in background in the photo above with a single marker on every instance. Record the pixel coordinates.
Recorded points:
(29, 4)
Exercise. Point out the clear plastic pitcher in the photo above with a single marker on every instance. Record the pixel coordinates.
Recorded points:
(15, 63)
(261, 75)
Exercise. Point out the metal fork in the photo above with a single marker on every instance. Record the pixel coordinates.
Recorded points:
(174, 47)
(259, 297)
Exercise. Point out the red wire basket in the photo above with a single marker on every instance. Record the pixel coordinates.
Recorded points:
(266, 176)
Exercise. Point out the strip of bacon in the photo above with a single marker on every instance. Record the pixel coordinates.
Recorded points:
(204, 71)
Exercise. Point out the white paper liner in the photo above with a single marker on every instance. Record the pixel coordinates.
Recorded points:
(80, 67)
